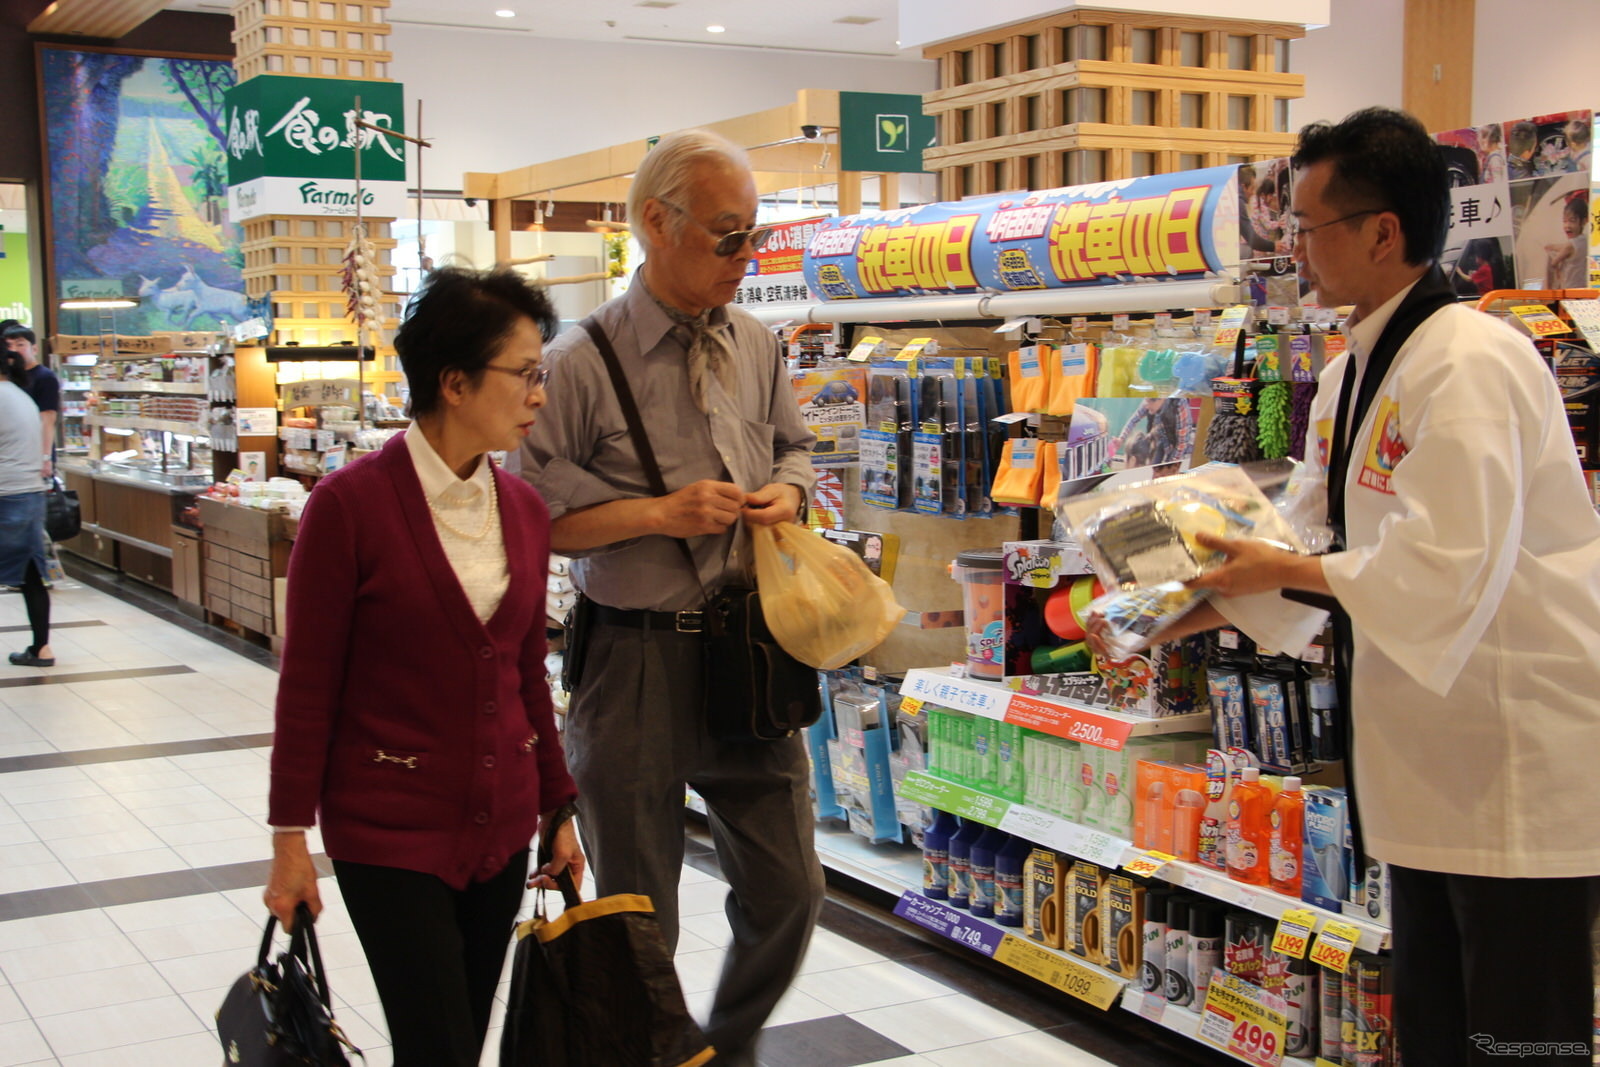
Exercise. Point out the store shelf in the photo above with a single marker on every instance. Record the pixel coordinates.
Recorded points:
(890, 867)
(1108, 850)
(1049, 715)
(1040, 827)
(1071, 975)
(178, 388)
(1264, 901)
(134, 422)
(1181, 1021)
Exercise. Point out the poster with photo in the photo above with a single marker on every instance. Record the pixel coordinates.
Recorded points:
(1552, 227)
(1264, 210)
(1478, 248)
(1127, 432)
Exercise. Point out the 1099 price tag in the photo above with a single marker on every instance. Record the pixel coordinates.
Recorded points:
(1335, 945)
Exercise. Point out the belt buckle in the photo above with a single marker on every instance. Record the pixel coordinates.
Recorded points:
(690, 622)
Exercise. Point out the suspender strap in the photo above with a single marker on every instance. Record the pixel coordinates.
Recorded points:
(641, 439)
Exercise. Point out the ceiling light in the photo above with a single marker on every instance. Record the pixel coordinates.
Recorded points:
(506, 13)
(716, 29)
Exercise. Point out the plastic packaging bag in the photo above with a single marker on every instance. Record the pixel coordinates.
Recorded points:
(1142, 542)
(820, 600)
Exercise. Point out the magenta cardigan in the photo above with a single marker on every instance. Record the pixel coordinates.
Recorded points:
(418, 736)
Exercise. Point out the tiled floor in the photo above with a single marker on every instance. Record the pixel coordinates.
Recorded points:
(132, 852)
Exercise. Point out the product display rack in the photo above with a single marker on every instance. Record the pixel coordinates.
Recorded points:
(1109, 850)
(1183, 1021)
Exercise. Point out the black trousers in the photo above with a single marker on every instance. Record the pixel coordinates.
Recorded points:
(435, 953)
(1493, 970)
(36, 599)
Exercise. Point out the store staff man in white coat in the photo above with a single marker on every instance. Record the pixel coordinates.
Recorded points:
(1471, 580)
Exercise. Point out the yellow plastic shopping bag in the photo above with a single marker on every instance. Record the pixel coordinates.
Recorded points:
(820, 600)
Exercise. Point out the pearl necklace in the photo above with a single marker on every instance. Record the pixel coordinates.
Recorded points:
(488, 518)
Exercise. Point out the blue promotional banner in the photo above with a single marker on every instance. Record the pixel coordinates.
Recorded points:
(1167, 226)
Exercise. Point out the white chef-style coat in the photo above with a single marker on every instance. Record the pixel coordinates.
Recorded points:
(1473, 585)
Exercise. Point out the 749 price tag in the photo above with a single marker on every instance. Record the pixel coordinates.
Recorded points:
(1336, 943)
(1294, 933)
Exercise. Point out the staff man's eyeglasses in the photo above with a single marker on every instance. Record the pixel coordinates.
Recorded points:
(727, 243)
(1297, 231)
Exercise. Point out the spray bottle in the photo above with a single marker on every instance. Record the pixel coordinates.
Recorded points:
(1286, 839)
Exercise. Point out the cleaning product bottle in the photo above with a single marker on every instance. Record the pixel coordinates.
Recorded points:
(936, 855)
(1008, 881)
(1206, 928)
(1175, 953)
(1154, 941)
(1286, 840)
(1248, 843)
(982, 858)
(961, 862)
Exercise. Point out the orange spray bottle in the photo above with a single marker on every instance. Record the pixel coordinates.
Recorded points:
(1286, 841)
(1249, 810)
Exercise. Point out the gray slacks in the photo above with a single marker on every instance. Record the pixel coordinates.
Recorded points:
(635, 736)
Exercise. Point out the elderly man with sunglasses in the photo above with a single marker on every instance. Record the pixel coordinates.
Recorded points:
(716, 406)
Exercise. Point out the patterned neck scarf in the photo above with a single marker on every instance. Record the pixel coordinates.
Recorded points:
(706, 345)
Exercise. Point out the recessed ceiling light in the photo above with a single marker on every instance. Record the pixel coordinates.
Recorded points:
(716, 29)
(506, 13)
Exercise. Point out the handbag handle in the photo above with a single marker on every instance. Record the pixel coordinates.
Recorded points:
(303, 946)
(569, 889)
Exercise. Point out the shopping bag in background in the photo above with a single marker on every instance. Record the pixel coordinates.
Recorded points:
(822, 603)
(596, 985)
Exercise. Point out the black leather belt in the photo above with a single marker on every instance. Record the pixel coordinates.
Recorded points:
(683, 622)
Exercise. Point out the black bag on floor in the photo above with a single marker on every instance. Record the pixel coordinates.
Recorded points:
(62, 518)
(596, 986)
(281, 1014)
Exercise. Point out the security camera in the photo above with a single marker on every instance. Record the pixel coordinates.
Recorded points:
(811, 132)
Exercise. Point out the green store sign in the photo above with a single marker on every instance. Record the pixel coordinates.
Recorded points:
(883, 133)
(288, 127)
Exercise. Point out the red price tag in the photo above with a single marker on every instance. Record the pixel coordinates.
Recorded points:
(1146, 865)
(1255, 1043)
(1075, 724)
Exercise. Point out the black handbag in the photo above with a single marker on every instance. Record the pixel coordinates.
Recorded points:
(596, 985)
(281, 1014)
(754, 690)
(63, 519)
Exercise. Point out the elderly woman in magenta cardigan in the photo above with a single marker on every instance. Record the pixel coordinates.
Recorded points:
(413, 717)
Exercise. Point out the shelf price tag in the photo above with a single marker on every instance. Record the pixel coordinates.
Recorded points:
(1585, 316)
(1540, 320)
(948, 922)
(916, 347)
(865, 349)
(924, 788)
(1119, 322)
(1336, 943)
(1147, 864)
(1294, 932)
(1243, 1020)
(911, 705)
(1075, 724)
(1231, 324)
(1069, 976)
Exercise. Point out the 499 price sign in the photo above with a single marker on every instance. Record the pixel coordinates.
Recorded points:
(1244, 1020)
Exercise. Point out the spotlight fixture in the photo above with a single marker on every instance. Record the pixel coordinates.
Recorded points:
(506, 13)
(716, 29)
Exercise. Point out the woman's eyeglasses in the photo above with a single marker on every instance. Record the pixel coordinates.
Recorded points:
(534, 375)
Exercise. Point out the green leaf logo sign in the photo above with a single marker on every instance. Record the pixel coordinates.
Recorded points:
(893, 133)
